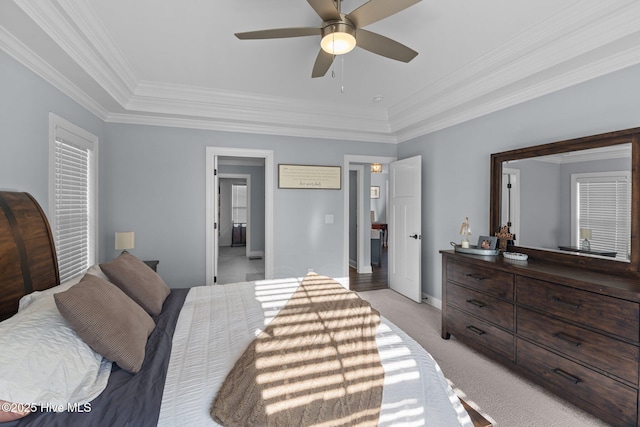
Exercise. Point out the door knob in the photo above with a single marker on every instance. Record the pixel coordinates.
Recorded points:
(415, 236)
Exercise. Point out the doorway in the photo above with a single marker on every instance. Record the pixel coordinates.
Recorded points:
(240, 220)
(259, 235)
(357, 204)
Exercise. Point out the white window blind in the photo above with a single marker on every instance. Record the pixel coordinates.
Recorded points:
(239, 204)
(604, 207)
(72, 198)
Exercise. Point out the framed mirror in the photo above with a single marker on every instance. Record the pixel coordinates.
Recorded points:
(571, 201)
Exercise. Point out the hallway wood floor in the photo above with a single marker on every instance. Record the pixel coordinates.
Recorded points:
(370, 282)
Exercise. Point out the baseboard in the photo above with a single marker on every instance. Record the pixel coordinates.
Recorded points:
(353, 264)
(255, 254)
(433, 301)
(366, 270)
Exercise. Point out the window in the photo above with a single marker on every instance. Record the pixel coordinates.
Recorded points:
(239, 204)
(73, 163)
(602, 204)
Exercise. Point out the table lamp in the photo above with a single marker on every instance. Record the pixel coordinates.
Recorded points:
(125, 240)
(585, 235)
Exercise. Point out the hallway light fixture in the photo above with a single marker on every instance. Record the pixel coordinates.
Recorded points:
(376, 167)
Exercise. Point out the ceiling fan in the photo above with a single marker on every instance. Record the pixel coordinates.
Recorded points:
(342, 32)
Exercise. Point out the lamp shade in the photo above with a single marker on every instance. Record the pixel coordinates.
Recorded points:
(125, 240)
(585, 233)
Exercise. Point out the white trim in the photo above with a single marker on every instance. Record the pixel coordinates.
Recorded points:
(212, 153)
(363, 264)
(578, 44)
(432, 301)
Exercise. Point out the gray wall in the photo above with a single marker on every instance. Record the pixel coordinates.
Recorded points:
(380, 205)
(456, 166)
(166, 206)
(540, 203)
(25, 103)
(152, 179)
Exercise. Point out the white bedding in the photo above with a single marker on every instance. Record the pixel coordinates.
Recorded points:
(218, 322)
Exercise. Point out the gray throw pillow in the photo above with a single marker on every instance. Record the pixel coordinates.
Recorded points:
(107, 320)
(136, 279)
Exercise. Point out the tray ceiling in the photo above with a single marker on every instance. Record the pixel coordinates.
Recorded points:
(169, 63)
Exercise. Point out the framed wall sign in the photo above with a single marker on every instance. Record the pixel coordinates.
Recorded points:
(310, 177)
(375, 192)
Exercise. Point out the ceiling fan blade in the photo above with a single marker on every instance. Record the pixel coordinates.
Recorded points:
(375, 10)
(279, 33)
(323, 62)
(326, 9)
(381, 45)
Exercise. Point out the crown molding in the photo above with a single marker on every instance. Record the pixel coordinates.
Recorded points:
(572, 47)
(74, 28)
(21, 53)
(541, 60)
(249, 127)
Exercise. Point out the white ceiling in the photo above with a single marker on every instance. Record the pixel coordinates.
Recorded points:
(177, 63)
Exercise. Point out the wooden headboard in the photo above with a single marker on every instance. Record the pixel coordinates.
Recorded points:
(28, 260)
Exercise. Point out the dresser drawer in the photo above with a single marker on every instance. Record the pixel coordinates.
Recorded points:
(475, 331)
(486, 279)
(482, 305)
(609, 314)
(608, 354)
(609, 399)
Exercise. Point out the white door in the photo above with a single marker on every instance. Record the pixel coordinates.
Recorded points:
(405, 227)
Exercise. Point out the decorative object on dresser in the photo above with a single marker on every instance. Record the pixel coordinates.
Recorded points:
(567, 320)
(465, 230)
(504, 236)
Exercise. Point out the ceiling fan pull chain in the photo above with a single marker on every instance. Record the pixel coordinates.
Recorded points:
(342, 64)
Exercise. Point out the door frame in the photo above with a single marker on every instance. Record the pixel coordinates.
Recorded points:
(364, 236)
(211, 201)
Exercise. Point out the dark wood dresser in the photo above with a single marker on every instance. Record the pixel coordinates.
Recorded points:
(573, 331)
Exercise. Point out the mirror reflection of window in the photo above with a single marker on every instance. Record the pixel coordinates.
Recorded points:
(601, 213)
(548, 213)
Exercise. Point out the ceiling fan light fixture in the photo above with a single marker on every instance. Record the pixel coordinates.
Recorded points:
(338, 39)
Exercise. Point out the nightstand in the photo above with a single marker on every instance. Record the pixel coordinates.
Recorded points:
(152, 265)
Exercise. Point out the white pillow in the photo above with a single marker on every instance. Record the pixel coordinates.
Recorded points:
(43, 361)
(29, 298)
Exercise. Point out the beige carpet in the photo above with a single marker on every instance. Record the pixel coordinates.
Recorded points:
(501, 396)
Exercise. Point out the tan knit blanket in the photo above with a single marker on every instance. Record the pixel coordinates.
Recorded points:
(316, 364)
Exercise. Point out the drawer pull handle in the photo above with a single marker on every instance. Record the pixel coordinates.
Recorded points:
(567, 338)
(476, 330)
(476, 303)
(568, 304)
(566, 376)
(475, 276)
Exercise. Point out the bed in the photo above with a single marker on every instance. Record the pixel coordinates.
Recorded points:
(194, 363)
